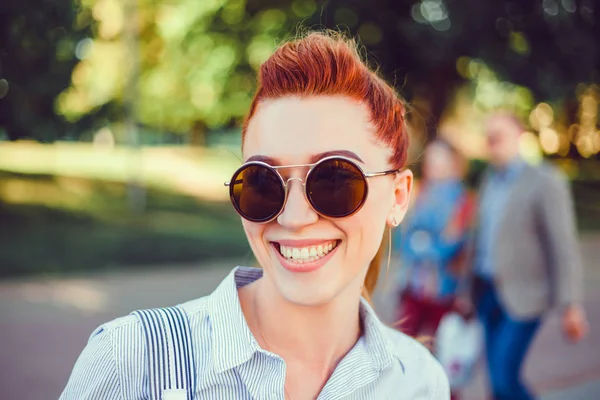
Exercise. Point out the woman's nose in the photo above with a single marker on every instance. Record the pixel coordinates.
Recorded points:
(297, 211)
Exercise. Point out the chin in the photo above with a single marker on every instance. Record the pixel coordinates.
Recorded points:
(315, 288)
(307, 296)
(312, 282)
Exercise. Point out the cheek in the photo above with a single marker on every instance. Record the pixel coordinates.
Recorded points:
(254, 233)
(365, 230)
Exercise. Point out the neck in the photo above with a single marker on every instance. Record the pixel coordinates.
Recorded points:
(317, 336)
(506, 163)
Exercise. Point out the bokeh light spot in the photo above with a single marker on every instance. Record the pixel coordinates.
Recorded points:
(304, 8)
(84, 48)
(549, 141)
(345, 16)
(370, 34)
(3, 88)
(518, 43)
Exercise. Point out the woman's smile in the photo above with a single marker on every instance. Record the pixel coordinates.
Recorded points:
(304, 255)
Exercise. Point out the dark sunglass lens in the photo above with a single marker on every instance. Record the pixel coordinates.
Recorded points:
(257, 193)
(336, 188)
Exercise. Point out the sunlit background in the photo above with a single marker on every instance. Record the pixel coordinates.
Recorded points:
(120, 121)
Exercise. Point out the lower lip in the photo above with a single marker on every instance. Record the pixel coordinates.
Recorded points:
(306, 266)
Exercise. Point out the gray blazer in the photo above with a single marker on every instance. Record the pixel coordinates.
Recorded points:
(536, 255)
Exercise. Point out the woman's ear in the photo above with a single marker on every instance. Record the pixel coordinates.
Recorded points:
(403, 184)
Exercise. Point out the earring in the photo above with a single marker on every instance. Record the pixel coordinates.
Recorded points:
(394, 224)
(387, 270)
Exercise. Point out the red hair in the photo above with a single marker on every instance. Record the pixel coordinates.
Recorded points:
(328, 64)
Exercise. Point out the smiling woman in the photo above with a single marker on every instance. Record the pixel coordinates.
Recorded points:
(325, 147)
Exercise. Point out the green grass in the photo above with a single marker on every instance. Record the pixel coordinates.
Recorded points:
(53, 225)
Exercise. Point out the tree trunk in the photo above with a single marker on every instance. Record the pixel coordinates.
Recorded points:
(197, 134)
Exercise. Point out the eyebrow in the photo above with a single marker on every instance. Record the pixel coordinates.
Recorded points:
(313, 159)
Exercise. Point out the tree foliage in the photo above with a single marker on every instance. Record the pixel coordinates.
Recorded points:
(197, 60)
(548, 46)
(190, 63)
(37, 54)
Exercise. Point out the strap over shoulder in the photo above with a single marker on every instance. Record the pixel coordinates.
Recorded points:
(171, 366)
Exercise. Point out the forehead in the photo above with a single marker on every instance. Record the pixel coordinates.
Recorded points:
(437, 149)
(501, 125)
(293, 130)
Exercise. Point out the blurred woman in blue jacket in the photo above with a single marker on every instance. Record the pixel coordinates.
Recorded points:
(433, 240)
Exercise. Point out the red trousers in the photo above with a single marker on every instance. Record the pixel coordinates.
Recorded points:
(421, 317)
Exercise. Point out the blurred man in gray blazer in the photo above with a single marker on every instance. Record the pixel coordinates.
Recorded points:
(526, 258)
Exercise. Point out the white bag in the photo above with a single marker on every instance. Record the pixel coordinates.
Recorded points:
(458, 346)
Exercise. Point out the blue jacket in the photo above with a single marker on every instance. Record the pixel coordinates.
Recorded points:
(425, 246)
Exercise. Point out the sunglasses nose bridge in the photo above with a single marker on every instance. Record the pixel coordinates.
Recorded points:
(287, 187)
(287, 182)
(296, 210)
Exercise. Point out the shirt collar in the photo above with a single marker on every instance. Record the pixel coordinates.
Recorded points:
(511, 170)
(234, 344)
(232, 341)
(376, 338)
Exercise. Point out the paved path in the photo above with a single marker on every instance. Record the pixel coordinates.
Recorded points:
(44, 324)
(555, 368)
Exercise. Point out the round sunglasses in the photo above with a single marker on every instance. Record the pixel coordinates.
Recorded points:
(335, 187)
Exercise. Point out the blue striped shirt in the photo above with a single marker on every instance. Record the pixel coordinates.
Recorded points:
(383, 364)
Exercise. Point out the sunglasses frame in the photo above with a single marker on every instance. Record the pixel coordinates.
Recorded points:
(284, 184)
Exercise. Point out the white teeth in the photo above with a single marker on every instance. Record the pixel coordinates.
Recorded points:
(306, 254)
(295, 253)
